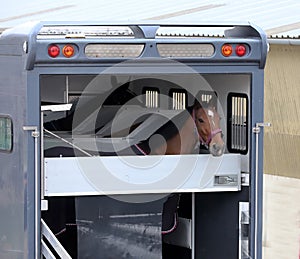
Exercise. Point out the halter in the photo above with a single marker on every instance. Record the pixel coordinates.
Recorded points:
(210, 137)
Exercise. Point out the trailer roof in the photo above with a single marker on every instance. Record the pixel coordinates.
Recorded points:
(280, 19)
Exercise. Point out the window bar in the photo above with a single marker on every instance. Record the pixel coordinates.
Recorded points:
(233, 132)
(239, 123)
(178, 101)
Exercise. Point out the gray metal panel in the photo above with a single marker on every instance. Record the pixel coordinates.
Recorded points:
(15, 206)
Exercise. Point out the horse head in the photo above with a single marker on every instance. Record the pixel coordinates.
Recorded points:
(207, 121)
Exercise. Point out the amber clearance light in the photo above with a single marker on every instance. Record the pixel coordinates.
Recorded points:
(226, 50)
(68, 51)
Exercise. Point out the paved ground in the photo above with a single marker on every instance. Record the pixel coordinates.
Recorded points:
(281, 218)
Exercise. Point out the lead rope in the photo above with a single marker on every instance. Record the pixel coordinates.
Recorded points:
(141, 150)
(163, 232)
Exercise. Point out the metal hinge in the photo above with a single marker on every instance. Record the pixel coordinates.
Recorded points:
(35, 133)
(259, 125)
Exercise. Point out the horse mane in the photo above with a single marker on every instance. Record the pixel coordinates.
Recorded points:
(168, 130)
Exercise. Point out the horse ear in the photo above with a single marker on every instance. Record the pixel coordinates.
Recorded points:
(212, 104)
(197, 105)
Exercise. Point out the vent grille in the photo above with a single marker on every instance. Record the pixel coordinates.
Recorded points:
(179, 99)
(237, 123)
(151, 98)
(207, 98)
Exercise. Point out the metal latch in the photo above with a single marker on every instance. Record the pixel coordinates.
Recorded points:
(259, 125)
(34, 130)
(226, 180)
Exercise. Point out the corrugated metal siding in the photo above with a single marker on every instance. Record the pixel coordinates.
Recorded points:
(267, 14)
(282, 109)
(280, 17)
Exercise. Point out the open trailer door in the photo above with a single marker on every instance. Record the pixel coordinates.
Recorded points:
(19, 152)
(111, 104)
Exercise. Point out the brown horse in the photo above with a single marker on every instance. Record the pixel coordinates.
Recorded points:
(207, 121)
(198, 126)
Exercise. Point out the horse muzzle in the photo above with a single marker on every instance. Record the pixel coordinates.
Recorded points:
(216, 149)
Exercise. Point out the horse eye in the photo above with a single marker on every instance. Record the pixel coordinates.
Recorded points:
(200, 120)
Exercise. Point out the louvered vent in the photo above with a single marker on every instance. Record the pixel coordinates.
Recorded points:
(237, 123)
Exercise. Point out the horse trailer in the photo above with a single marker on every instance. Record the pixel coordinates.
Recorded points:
(127, 140)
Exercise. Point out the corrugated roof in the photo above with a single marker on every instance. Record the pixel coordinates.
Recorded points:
(278, 18)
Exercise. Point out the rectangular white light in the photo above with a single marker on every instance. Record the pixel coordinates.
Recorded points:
(185, 50)
(113, 50)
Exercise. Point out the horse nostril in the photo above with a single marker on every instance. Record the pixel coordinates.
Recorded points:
(216, 146)
(216, 150)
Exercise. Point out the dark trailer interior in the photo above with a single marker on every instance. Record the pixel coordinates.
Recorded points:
(94, 105)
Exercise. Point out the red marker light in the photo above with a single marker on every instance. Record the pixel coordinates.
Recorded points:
(68, 51)
(240, 50)
(53, 51)
(226, 50)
